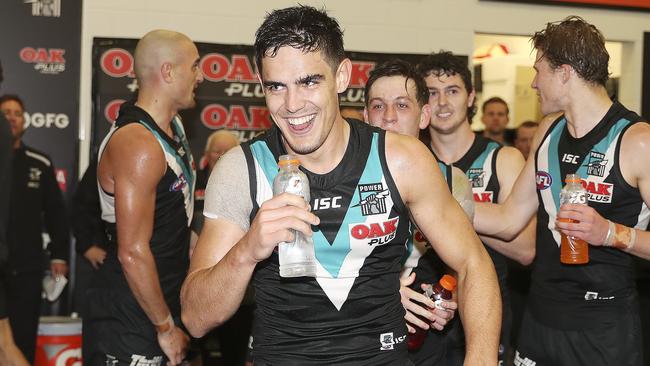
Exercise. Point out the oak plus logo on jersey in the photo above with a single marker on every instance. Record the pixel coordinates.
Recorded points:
(475, 176)
(598, 192)
(45, 8)
(483, 196)
(47, 120)
(373, 199)
(596, 164)
(45, 60)
(377, 233)
(543, 180)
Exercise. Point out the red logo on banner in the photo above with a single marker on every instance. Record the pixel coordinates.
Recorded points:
(45, 60)
(360, 73)
(217, 67)
(236, 117)
(62, 178)
(117, 62)
(112, 109)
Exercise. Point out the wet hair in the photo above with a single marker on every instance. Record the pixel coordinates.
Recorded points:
(576, 43)
(495, 100)
(302, 27)
(397, 67)
(12, 97)
(446, 63)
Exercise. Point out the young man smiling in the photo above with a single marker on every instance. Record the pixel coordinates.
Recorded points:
(350, 314)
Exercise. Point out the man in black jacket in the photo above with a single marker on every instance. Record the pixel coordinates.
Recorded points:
(36, 203)
(9, 353)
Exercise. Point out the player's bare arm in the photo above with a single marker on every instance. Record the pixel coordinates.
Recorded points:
(508, 218)
(450, 233)
(226, 255)
(597, 230)
(522, 248)
(131, 167)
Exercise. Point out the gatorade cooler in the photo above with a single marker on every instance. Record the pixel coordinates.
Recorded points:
(58, 342)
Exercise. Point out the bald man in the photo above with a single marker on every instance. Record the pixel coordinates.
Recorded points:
(146, 181)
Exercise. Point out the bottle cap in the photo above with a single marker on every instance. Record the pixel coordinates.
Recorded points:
(448, 282)
(572, 178)
(287, 160)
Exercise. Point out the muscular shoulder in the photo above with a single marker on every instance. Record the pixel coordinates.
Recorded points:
(635, 143)
(509, 159)
(133, 148)
(407, 158)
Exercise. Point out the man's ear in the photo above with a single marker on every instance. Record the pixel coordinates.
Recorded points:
(425, 117)
(343, 73)
(166, 72)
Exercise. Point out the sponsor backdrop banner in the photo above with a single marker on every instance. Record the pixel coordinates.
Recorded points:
(40, 56)
(229, 98)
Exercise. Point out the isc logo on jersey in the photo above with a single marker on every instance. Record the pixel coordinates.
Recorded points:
(377, 233)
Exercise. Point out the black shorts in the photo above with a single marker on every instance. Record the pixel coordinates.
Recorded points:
(615, 341)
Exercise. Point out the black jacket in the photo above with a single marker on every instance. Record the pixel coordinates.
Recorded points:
(86, 213)
(6, 152)
(36, 204)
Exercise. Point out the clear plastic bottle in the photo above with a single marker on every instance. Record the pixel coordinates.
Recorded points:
(296, 258)
(573, 250)
(441, 291)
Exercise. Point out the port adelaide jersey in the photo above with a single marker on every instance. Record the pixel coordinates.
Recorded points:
(584, 291)
(351, 313)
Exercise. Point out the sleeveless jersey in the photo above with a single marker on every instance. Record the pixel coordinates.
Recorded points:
(351, 313)
(480, 166)
(572, 296)
(173, 211)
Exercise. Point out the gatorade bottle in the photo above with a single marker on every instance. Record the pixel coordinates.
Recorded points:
(441, 291)
(297, 258)
(573, 250)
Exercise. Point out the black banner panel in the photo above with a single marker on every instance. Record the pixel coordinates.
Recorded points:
(230, 96)
(40, 56)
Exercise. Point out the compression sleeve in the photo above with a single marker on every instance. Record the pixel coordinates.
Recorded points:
(227, 195)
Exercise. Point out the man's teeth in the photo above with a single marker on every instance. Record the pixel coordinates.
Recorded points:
(444, 115)
(299, 121)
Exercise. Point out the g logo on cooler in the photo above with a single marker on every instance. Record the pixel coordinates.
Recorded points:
(543, 180)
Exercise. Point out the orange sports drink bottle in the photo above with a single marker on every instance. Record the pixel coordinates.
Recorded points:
(573, 250)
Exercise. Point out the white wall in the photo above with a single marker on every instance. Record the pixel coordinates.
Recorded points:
(414, 26)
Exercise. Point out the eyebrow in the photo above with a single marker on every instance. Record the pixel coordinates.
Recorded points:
(308, 78)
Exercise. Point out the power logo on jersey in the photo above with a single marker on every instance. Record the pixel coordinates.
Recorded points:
(596, 164)
(476, 176)
(373, 199)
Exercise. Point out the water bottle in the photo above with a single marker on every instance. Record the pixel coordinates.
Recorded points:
(441, 291)
(297, 258)
(573, 250)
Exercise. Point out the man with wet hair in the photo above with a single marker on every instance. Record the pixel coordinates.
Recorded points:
(350, 313)
(146, 181)
(580, 314)
(490, 167)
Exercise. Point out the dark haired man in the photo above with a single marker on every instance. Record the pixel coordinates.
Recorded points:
(495, 118)
(10, 355)
(146, 181)
(490, 167)
(36, 204)
(580, 314)
(350, 314)
(524, 136)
